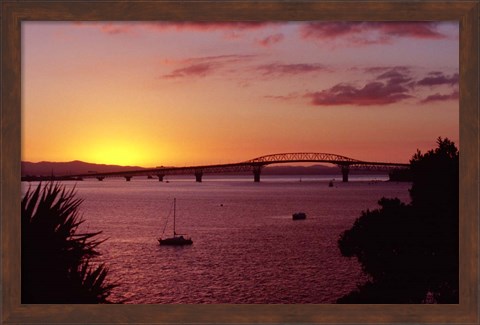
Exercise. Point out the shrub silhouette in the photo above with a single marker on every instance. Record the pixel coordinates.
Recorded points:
(56, 266)
(410, 251)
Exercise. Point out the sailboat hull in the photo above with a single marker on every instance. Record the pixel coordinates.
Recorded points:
(176, 241)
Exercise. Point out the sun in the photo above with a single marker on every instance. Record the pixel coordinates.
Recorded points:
(123, 153)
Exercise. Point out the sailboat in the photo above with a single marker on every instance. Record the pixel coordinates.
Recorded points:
(177, 239)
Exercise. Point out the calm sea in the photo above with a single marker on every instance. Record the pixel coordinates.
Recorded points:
(246, 247)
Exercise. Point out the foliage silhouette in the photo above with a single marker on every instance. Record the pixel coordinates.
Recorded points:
(56, 266)
(410, 251)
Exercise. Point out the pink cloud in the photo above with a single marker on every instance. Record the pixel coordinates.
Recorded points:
(288, 97)
(439, 97)
(426, 30)
(198, 70)
(270, 40)
(438, 78)
(382, 69)
(367, 33)
(390, 87)
(203, 66)
(397, 77)
(231, 28)
(329, 29)
(227, 58)
(374, 93)
(290, 69)
(110, 28)
(209, 26)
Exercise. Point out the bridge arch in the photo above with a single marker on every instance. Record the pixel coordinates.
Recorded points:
(293, 157)
(304, 157)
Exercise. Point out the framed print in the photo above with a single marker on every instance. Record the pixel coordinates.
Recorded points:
(240, 162)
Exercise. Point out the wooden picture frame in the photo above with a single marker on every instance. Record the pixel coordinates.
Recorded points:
(13, 13)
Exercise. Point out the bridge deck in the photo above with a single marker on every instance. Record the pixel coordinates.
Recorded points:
(253, 165)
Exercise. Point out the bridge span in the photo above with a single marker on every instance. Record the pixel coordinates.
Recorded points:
(253, 165)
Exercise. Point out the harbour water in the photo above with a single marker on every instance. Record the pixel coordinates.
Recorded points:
(246, 247)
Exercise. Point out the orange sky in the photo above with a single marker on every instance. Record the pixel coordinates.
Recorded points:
(152, 94)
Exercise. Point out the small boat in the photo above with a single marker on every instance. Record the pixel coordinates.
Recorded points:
(177, 239)
(299, 216)
(330, 184)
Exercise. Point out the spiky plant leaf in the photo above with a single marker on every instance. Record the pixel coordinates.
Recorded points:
(55, 257)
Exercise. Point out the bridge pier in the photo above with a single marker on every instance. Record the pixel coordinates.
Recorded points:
(345, 171)
(198, 176)
(128, 178)
(101, 178)
(256, 173)
(160, 177)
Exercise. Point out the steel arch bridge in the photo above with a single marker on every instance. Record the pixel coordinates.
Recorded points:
(254, 165)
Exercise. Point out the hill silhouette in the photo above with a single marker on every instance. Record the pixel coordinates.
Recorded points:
(47, 168)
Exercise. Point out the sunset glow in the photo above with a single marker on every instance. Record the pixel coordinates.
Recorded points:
(176, 94)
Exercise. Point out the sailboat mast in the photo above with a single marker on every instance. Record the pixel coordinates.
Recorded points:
(174, 208)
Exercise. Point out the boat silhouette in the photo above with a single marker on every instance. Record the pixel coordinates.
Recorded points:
(299, 216)
(176, 239)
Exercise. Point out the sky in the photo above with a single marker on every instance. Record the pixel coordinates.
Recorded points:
(179, 94)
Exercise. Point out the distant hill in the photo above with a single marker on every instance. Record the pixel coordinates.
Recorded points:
(300, 170)
(46, 168)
